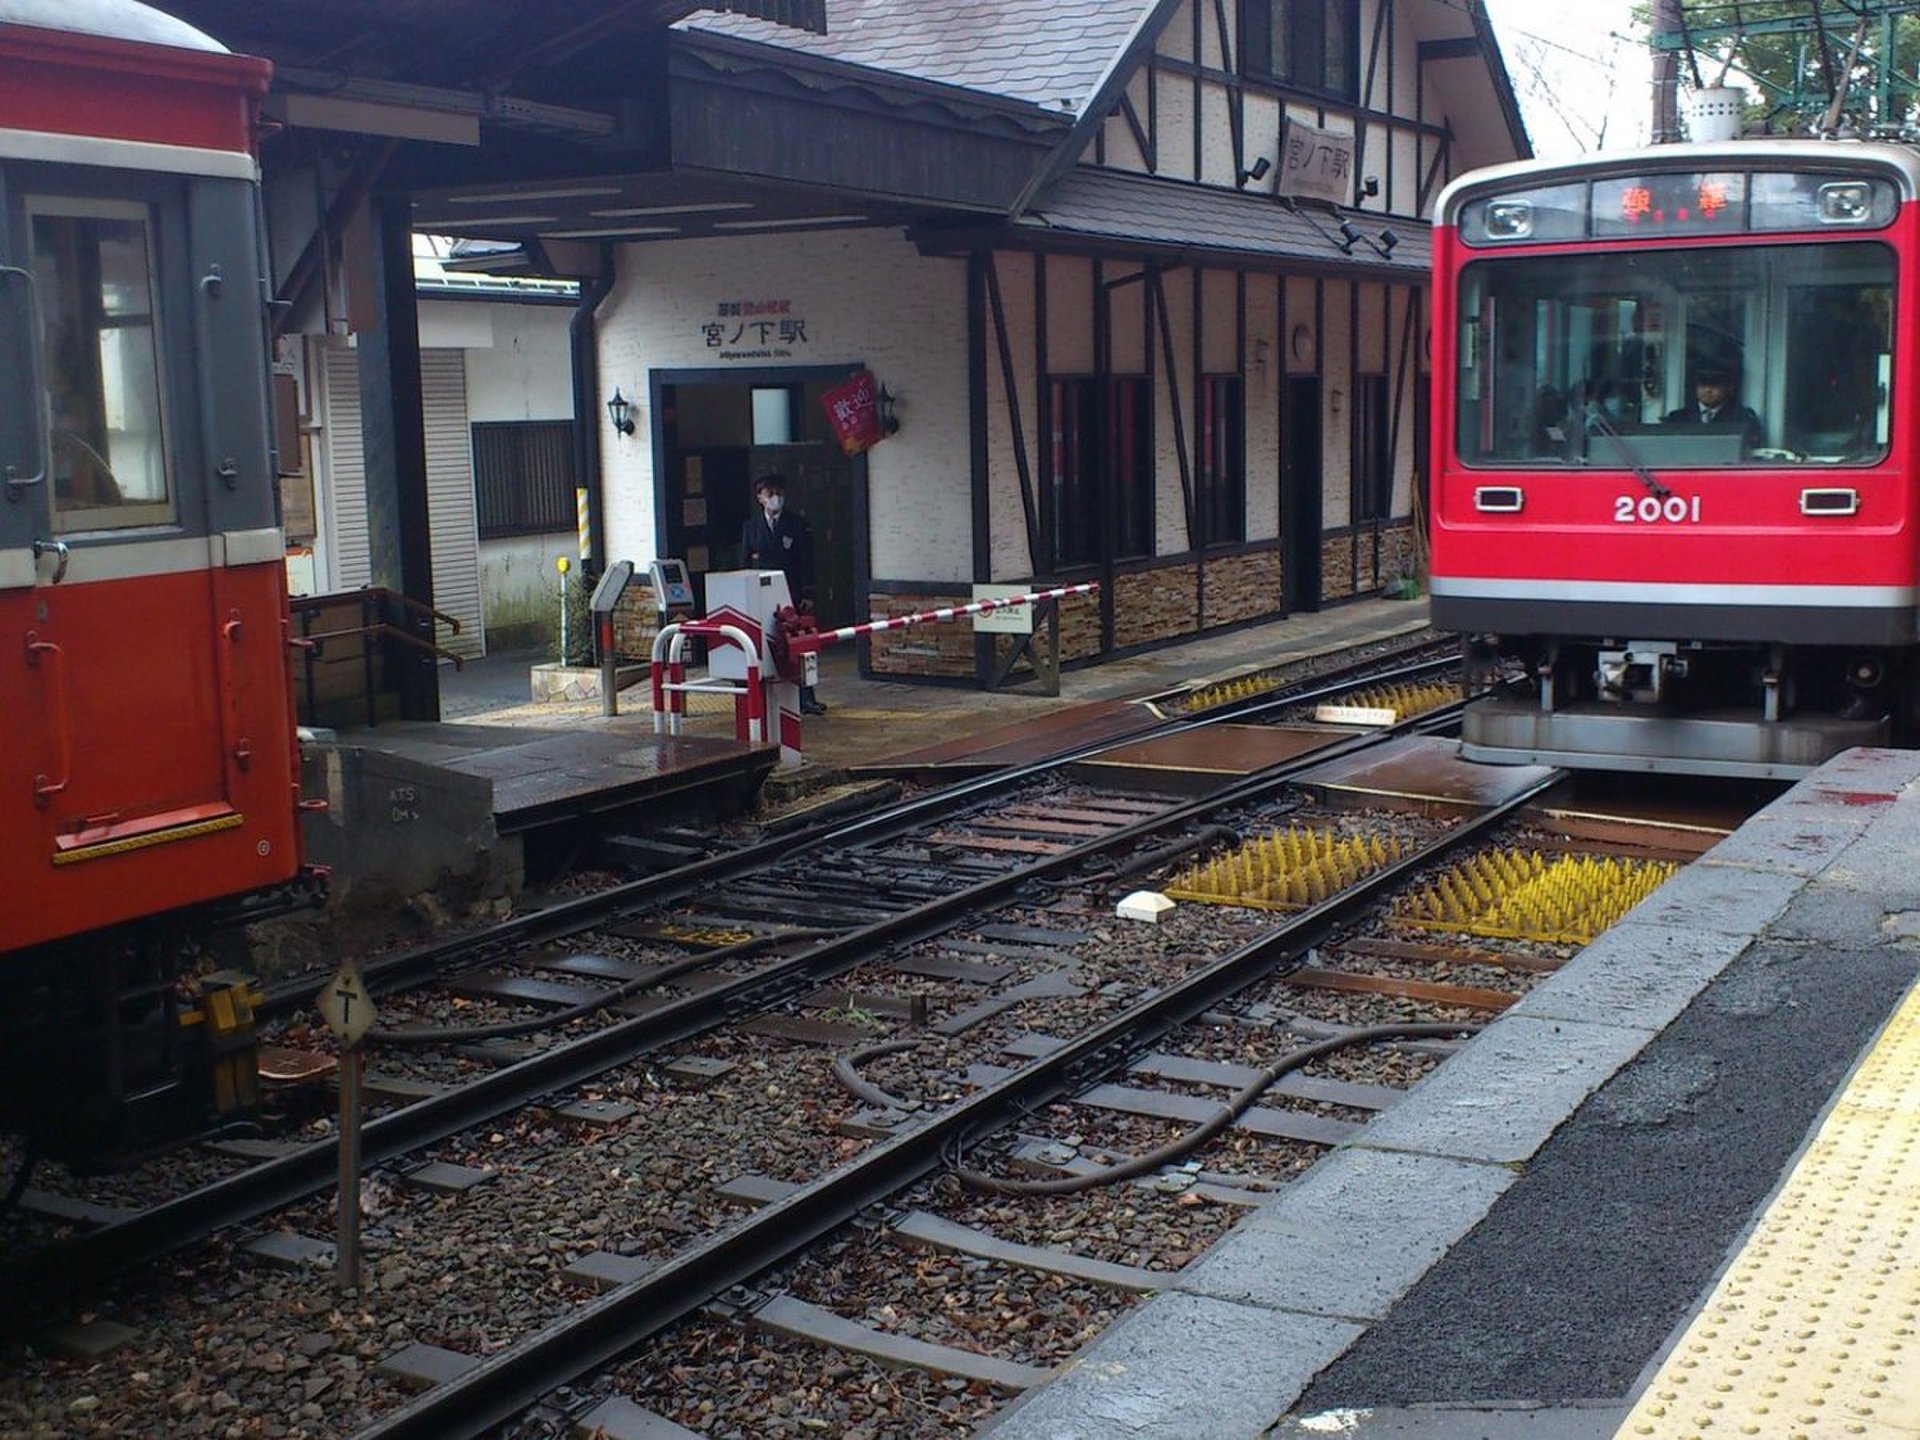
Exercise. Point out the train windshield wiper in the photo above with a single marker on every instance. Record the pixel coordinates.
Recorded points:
(1605, 426)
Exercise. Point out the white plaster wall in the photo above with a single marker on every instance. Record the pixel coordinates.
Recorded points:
(1174, 124)
(1122, 150)
(1336, 399)
(1127, 321)
(1170, 535)
(451, 325)
(867, 297)
(1069, 303)
(527, 372)
(1219, 165)
(1220, 338)
(1370, 344)
(517, 575)
(1009, 556)
(1176, 40)
(1263, 406)
(1300, 311)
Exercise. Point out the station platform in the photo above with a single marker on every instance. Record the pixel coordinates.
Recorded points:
(427, 823)
(1672, 1193)
(876, 727)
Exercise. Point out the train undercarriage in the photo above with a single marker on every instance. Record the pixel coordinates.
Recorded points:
(1732, 709)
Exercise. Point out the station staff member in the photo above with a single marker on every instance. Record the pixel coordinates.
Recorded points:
(777, 538)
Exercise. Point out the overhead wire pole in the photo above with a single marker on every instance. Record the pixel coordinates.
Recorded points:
(1666, 73)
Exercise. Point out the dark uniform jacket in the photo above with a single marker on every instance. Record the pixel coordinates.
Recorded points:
(1731, 416)
(785, 545)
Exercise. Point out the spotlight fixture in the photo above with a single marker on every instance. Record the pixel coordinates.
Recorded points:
(886, 400)
(1349, 236)
(1258, 171)
(620, 412)
(1386, 243)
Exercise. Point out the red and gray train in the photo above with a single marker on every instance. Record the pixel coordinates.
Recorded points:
(148, 754)
(1675, 455)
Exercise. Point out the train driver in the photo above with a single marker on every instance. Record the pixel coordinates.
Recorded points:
(1716, 396)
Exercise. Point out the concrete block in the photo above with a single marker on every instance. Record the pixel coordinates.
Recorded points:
(1507, 1090)
(396, 828)
(1638, 975)
(1730, 900)
(1147, 905)
(1350, 1236)
(1178, 1367)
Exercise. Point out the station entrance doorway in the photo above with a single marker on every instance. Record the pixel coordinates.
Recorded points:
(715, 432)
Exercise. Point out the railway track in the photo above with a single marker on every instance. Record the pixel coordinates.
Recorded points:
(976, 1086)
(900, 895)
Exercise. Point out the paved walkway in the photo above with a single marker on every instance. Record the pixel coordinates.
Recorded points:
(870, 718)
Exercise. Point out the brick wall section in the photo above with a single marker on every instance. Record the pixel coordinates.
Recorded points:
(1243, 587)
(1347, 564)
(1157, 604)
(1336, 566)
(936, 649)
(1398, 552)
(635, 622)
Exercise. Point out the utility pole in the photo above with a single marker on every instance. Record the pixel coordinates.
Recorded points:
(1666, 73)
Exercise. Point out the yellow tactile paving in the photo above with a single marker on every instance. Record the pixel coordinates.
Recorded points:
(1814, 1331)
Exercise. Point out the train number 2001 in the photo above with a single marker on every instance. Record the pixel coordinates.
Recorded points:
(1656, 510)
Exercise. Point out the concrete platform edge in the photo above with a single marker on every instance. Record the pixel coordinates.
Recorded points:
(1340, 1244)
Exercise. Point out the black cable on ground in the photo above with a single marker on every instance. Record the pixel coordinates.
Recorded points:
(1180, 1148)
(846, 1071)
(508, 1029)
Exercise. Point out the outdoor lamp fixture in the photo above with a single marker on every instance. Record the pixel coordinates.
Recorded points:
(1349, 236)
(1258, 171)
(886, 400)
(620, 411)
(1386, 243)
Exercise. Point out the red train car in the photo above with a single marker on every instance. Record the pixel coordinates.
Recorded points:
(148, 762)
(1675, 449)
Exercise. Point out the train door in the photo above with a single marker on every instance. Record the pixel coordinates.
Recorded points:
(127, 674)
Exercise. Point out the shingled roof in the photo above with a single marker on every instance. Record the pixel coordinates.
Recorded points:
(1137, 212)
(1048, 53)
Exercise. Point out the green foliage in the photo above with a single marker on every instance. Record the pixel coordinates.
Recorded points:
(1797, 58)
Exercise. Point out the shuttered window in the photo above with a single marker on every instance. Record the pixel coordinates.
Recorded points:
(523, 477)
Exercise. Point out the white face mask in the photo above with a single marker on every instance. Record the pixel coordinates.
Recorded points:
(774, 504)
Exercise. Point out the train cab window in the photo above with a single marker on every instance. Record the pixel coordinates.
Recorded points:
(100, 354)
(1691, 358)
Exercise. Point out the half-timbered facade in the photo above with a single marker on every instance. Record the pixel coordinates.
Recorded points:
(1143, 280)
(1186, 360)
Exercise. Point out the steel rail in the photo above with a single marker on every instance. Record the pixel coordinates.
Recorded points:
(588, 911)
(603, 1329)
(68, 1268)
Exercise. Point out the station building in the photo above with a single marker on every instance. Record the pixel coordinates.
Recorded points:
(1140, 284)
(1187, 360)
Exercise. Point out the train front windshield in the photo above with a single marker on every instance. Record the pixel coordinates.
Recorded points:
(1758, 353)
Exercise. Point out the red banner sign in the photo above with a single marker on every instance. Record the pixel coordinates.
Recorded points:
(853, 409)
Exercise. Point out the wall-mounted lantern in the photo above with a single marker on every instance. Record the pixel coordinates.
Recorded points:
(620, 411)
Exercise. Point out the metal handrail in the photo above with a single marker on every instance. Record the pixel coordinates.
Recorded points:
(388, 631)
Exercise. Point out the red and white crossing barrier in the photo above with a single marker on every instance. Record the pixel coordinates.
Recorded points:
(820, 639)
(765, 693)
(671, 686)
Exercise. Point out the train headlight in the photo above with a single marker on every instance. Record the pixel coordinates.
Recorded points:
(1846, 202)
(1509, 219)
